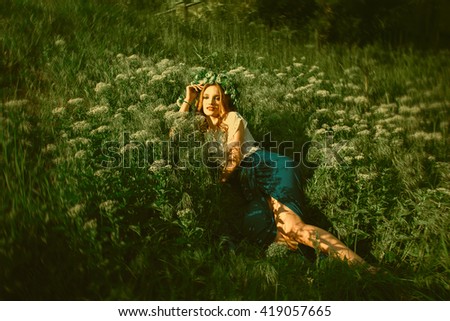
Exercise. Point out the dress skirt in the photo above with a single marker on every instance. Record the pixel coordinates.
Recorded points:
(261, 175)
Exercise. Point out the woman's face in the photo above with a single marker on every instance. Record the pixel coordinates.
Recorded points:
(211, 101)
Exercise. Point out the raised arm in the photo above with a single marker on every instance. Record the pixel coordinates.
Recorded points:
(192, 92)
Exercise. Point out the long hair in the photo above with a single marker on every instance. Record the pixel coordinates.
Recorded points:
(225, 103)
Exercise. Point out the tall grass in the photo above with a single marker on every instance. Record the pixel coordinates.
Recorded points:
(90, 84)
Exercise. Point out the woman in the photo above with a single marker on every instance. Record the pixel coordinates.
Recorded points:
(269, 180)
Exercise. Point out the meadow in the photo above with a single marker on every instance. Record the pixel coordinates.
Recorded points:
(98, 203)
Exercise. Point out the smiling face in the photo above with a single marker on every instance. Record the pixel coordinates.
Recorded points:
(211, 101)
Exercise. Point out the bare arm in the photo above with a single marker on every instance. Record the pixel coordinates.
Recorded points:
(234, 154)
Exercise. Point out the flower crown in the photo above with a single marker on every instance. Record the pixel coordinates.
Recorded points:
(223, 79)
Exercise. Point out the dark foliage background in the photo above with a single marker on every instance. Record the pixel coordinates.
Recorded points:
(74, 74)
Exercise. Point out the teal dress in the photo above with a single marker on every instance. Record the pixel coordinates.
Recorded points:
(263, 174)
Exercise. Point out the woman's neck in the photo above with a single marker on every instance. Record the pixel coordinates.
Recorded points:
(213, 122)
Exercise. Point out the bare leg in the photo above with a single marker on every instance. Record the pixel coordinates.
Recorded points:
(292, 231)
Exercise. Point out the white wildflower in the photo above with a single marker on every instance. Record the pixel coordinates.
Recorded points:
(81, 154)
(443, 190)
(351, 70)
(81, 126)
(59, 42)
(404, 99)
(392, 120)
(297, 64)
(313, 68)
(16, 103)
(364, 132)
(133, 57)
(381, 132)
(157, 165)
(237, 70)
(349, 99)
(304, 88)
(118, 117)
(101, 173)
(348, 159)
(121, 77)
(50, 148)
(98, 110)
(133, 108)
(352, 86)
(322, 93)
(341, 128)
(79, 141)
(160, 108)
(289, 96)
(312, 80)
(421, 135)
(76, 210)
(334, 96)
(345, 148)
(163, 64)
(109, 206)
(156, 78)
(143, 70)
(320, 131)
(359, 157)
(322, 111)
(277, 251)
(75, 101)
(169, 70)
(139, 135)
(102, 88)
(436, 105)
(415, 110)
(90, 225)
(341, 112)
(360, 100)
(383, 108)
(404, 110)
(366, 176)
(58, 111)
(59, 160)
(249, 75)
(143, 97)
(281, 75)
(185, 213)
(100, 130)
(129, 147)
(83, 141)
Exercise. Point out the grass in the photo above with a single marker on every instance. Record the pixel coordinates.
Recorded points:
(86, 84)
